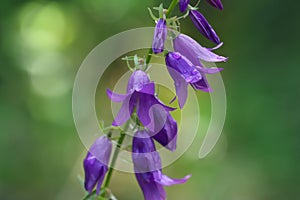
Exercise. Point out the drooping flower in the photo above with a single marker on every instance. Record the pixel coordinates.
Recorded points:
(160, 35)
(191, 49)
(183, 72)
(183, 4)
(96, 162)
(203, 26)
(152, 113)
(147, 166)
(216, 3)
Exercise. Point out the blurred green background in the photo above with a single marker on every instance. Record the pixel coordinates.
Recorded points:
(42, 46)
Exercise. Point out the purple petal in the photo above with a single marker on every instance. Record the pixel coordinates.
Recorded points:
(95, 163)
(216, 3)
(144, 155)
(148, 88)
(167, 136)
(203, 26)
(183, 66)
(116, 97)
(137, 81)
(160, 35)
(183, 4)
(194, 51)
(212, 70)
(158, 116)
(167, 181)
(216, 47)
(202, 85)
(103, 170)
(125, 111)
(180, 85)
(91, 168)
(151, 190)
(147, 101)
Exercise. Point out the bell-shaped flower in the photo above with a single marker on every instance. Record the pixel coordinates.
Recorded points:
(203, 26)
(194, 52)
(216, 3)
(152, 113)
(183, 4)
(160, 35)
(96, 163)
(147, 166)
(191, 49)
(184, 72)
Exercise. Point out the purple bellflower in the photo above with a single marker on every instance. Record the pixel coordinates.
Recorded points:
(152, 113)
(191, 49)
(216, 3)
(183, 4)
(147, 166)
(95, 163)
(160, 35)
(194, 52)
(203, 26)
(183, 72)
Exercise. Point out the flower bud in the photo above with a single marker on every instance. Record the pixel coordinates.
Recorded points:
(203, 26)
(183, 4)
(160, 35)
(216, 3)
(96, 162)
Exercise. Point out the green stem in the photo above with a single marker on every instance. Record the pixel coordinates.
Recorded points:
(115, 156)
(171, 7)
(169, 11)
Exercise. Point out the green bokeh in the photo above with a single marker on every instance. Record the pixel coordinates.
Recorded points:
(42, 46)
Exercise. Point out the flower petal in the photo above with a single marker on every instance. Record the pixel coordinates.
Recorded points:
(160, 35)
(137, 81)
(193, 51)
(167, 181)
(151, 189)
(183, 4)
(212, 70)
(167, 136)
(116, 97)
(95, 163)
(125, 111)
(144, 155)
(148, 88)
(183, 66)
(202, 85)
(180, 85)
(103, 170)
(216, 3)
(146, 101)
(203, 26)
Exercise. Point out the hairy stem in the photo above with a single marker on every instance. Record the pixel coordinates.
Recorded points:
(169, 11)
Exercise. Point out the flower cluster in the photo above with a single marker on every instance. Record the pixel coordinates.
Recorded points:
(151, 116)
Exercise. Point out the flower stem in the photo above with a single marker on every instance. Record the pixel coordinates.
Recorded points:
(115, 156)
(171, 7)
(169, 11)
